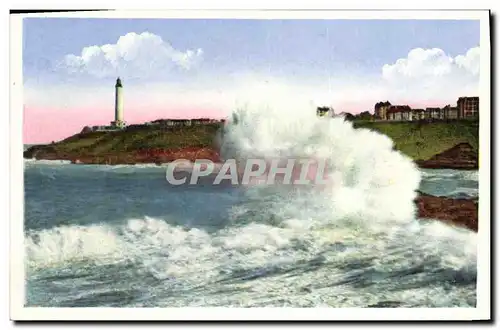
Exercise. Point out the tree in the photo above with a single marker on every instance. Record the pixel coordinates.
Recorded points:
(86, 129)
(365, 115)
(349, 116)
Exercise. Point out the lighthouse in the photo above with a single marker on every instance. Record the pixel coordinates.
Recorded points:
(119, 123)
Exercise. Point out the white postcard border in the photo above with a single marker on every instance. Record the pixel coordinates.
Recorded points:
(19, 312)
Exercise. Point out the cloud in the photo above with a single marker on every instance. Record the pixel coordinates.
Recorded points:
(133, 55)
(470, 61)
(434, 73)
(426, 77)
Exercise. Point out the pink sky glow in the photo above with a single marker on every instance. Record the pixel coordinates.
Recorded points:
(52, 124)
(43, 125)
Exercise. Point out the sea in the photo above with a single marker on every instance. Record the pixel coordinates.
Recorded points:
(122, 236)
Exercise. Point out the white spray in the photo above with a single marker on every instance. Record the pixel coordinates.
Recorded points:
(366, 214)
(368, 178)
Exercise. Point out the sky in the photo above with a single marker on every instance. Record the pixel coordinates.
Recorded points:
(192, 68)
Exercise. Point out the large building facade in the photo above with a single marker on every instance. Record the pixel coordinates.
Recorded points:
(381, 109)
(399, 112)
(468, 107)
(450, 112)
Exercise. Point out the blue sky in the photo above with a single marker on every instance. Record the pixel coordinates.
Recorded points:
(205, 68)
(292, 48)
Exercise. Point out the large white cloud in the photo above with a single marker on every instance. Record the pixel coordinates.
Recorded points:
(225, 95)
(133, 55)
(431, 73)
(426, 77)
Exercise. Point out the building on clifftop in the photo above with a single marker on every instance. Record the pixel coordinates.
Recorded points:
(380, 110)
(468, 107)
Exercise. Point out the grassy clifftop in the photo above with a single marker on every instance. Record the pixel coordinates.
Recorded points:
(126, 146)
(417, 140)
(422, 140)
(139, 138)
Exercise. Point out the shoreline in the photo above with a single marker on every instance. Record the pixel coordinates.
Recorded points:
(95, 160)
(430, 145)
(71, 162)
(459, 157)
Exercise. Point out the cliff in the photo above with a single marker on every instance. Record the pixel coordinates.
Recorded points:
(139, 144)
(421, 141)
(462, 157)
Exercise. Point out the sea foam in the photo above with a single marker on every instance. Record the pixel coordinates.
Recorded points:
(368, 179)
(361, 229)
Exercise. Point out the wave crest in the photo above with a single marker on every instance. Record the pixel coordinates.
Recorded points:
(368, 178)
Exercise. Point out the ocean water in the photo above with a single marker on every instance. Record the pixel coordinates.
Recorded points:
(123, 236)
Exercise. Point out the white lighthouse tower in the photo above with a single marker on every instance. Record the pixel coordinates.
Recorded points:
(119, 123)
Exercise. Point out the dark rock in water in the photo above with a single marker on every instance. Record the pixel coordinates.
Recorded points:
(460, 212)
(306, 289)
(460, 157)
(386, 304)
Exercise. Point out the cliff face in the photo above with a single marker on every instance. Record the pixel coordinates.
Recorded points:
(436, 145)
(423, 140)
(156, 156)
(133, 145)
(462, 156)
(169, 155)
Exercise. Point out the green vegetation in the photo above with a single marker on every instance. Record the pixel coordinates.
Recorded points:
(418, 140)
(140, 137)
(126, 143)
(422, 140)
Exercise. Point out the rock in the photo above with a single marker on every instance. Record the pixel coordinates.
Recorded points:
(459, 212)
(154, 156)
(386, 304)
(462, 156)
(168, 155)
(305, 289)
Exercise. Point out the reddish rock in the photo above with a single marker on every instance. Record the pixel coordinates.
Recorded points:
(459, 212)
(460, 157)
(156, 156)
(169, 155)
